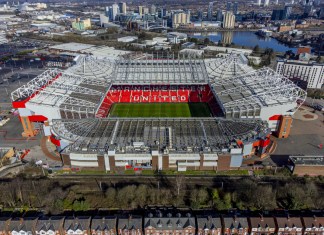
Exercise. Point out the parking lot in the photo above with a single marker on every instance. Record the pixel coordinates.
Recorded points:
(305, 137)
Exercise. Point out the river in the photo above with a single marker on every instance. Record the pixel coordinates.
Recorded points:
(244, 38)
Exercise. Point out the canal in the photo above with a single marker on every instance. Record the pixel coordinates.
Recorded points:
(244, 38)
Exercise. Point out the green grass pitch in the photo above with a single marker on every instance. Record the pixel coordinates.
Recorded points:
(160, 110)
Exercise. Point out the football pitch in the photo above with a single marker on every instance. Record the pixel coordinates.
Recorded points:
(160, 110)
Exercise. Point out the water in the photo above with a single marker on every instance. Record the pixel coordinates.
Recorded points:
(244, 38)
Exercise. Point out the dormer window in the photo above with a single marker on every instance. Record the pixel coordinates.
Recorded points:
(159, 224)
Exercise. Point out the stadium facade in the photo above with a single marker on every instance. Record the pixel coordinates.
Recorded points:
(72, 108)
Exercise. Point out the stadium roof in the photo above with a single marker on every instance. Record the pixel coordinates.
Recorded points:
(164, 71)
(126, 135)
(70, 92)
(251, 91)
(240, 90)
(230, 66)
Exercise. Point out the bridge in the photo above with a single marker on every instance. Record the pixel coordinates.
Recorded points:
(154, 25)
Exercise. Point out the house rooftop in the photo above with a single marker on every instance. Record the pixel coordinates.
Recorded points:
(235, 222)
(289, 222)
(102, 223)
(263, 222)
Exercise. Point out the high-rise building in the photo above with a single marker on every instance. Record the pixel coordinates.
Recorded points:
(122, 7)
(228, 20)
(210, 11)
(200, 14)
(162, 12)
(145, 11)
(228, 6)
(308, 9)
(112, 12)
(259, 2)
(103, 20)
(140, 10)
(266, 3)
(310, 72)
(235, 8)
(180, 18)
(277, 2)
(153, 9)
(322, 12)
(219, 15)
(287, 13)
(278, 14)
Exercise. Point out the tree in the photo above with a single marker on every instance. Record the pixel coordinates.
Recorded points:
(319, 59)
(256, 49)
(206, 41)
(179, 183)
(126, 196)
(195, 40)
(198, 198)
(141, 195)
(111, 197)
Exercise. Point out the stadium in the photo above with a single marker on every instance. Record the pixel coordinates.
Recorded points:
(182, 114)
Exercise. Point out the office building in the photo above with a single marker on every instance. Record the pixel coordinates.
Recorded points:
(259, 2)
(153, 9)
(266, 3)
(235, 8)
(103, 20)
(81, 24)
(310, 72)
(308, 9)
(180, 18)
(219, 15)
(112, 12)
(140, 10)
(287, 12)
(228, 6)
(228, 20)
(210, 11)
(146, 10)
(322, 12)
(122, 7)
(278, 15)
(162, 12)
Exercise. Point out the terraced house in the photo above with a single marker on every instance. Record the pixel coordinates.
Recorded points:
(4, 223)
(235, 225)
(178, 224)
(262, 225)
(313, 225)
(22, 226)
(289, 225)
(209, 225)
(130, 225)
(49, 225)
(104, 225)
(77, 225)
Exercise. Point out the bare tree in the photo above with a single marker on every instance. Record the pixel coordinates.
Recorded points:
(179, 183)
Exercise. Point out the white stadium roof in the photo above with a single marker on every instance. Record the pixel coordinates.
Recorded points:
(78, 92)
